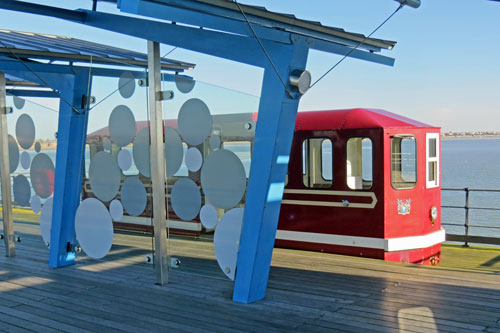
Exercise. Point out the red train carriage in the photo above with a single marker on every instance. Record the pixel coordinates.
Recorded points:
(360, 182)
(365, 183)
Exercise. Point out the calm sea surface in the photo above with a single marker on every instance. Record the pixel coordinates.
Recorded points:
(473, 163)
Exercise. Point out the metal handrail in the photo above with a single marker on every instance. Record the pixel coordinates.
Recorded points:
(468, 207)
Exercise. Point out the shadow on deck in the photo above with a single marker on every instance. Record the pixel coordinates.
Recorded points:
(313, 292)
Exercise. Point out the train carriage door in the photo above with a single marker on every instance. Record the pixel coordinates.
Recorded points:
(432, 160)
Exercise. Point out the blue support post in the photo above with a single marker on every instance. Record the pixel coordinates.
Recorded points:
(71, 137)
(273, 139)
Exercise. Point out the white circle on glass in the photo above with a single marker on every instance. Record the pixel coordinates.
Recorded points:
(104, 176)
(19, 102)
(116, 210)
(214, 141)
(124, 159)
(209, 216)
(46, 220)
(25, 160)
(133, 196)
(194, 121)
(186, 199)
(184, 84)
(140, 152)
(174, 151)
(22, 190)
(126, 84)
(223, 179)
(122, 125)
(227, 240)
(193, 159)
(94, 228)
(42, 175)
(25, 131)
(13, 153)
(36, 204)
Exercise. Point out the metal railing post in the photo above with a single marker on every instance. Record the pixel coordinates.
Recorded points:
(8, 221)
(467, 191)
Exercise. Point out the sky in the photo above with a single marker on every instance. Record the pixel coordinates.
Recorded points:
(447, 70)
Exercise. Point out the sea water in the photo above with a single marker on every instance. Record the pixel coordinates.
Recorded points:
(473, 163)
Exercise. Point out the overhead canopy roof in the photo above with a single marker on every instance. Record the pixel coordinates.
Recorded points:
(37, 46)
(282, 21)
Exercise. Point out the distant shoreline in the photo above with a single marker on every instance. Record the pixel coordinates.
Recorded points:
(451, 137)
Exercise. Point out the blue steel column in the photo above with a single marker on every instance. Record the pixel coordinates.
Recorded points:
(273, 139)
(71, 138)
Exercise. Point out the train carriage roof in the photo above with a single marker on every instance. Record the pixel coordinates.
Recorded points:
(352, 119)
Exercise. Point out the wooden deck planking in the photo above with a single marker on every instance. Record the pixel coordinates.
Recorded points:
(308, 291)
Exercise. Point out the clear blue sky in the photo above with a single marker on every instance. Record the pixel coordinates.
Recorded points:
(447, 70)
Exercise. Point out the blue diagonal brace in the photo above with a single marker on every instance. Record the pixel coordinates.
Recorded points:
(273, 139)
(70, 158)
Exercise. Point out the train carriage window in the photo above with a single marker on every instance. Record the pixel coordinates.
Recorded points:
(317, 162)
(403, 162)
(432, 163)
(359, 163)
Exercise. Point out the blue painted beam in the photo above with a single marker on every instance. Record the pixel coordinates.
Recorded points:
(223, 45)
(200, 19)
(220, 44)
(32, 93)
(273, 139)
(215, 17)
(70, 159)
(29, 7)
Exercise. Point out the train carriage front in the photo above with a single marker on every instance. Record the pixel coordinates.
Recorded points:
(366, 183)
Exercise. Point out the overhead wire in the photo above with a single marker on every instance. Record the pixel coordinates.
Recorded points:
(358, 45)
(264, 49)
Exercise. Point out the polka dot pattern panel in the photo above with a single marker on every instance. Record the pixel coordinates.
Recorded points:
(227, 240)
(42, 175)
(140, 152)
(126, 84)
(174, 151)
(36, 204)
(19, 102)
(124, 159)
(116, 210)
(223, 179)
(25, 160)
(209, 216)
(194, 159)
(122, 125)
(104, 176)
(94, 228)
(186, 199)
(194, 121)
(22, 190)
(133, 196)
(25, 131)
(184, 84)
(46, 220)
(13, 153)
(38, 147)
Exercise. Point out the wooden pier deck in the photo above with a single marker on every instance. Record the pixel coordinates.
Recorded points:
(308, 292)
